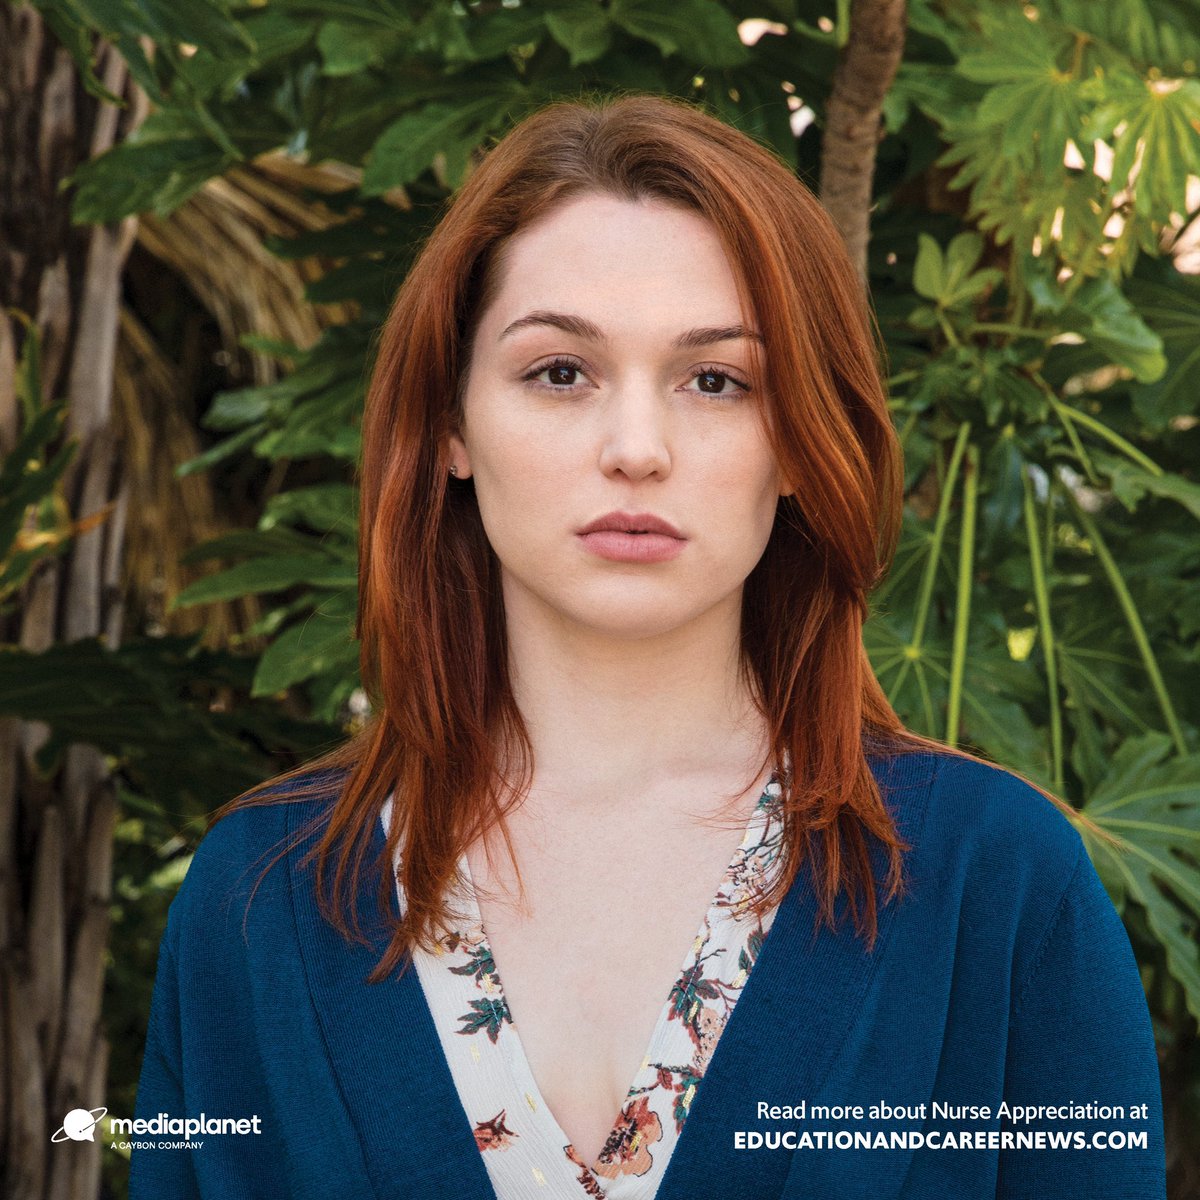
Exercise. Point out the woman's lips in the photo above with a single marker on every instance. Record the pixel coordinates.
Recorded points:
(626, 522)
(618, 546)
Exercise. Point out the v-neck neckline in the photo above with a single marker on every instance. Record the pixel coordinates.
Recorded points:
(757, 827)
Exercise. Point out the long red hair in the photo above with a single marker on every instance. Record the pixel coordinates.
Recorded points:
(430, 610)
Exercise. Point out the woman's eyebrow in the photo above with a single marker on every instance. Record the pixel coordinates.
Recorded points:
(706, 335)
(583, 328)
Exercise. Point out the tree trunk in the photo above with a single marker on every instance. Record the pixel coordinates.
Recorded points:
(864, 73)
(56, 833)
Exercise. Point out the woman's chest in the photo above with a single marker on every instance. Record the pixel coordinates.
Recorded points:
(589, 960)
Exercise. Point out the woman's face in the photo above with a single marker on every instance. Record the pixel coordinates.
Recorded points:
(613, 372)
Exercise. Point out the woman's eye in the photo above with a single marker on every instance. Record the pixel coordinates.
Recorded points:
(562, 374)
(557, 374)
(714, 383)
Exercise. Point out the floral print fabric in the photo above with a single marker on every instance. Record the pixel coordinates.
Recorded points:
(524, 1149)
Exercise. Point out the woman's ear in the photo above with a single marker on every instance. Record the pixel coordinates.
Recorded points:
(460, 461)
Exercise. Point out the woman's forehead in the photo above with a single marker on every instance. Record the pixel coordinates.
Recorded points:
(600, 256)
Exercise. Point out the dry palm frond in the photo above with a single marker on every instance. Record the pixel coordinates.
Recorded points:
(213, 246)
(166, 514)
(216, 243)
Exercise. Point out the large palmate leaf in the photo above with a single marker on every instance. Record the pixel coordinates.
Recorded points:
(1151, 802)
(1031, 104)
(1169, 302)
(1159, 119)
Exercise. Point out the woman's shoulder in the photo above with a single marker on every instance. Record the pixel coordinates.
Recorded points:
(242, 854)
(997, 828)
(993, 857)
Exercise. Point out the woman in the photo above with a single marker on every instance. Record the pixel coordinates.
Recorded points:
(628, 476)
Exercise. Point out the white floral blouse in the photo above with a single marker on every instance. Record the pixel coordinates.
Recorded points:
(526, 1152)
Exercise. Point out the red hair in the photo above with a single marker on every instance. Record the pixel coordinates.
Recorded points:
(430, 615)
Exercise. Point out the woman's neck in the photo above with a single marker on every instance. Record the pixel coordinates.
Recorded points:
(612, 716)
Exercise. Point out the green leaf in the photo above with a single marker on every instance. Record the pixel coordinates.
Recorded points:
(268, 575)
(751, 100)
(78, 41)
(1105, 317)
(221, 451)
(312, 647)
(1169, 302)
(1007, 394)
(138, 177)
(232, 410)
(1047, 293)
(1098, 681)
(1130, 483)
(322, 506)
(701, 31)
(583, 29)
(1021, 53)
(1003, 494)
(929, 272)
(388, 13)
(408, 146)
(1160, 118)
(245, 542)
(200, 23)
(1032, 105)
(1151, 801)
(950, 278)
(276, 34)
(144, 701)
(347, 49)
(497, 33)
(318, 425)
(961, 256)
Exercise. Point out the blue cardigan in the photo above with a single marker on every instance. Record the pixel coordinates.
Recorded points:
(1003, 976)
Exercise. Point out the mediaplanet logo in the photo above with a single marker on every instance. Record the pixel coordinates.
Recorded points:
(79, 1125)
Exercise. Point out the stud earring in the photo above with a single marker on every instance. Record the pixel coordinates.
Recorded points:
(453, 469)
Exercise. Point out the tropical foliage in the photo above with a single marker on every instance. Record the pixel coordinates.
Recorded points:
(1034, 193)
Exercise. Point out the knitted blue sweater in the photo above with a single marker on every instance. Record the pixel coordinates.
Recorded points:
(995, 1043)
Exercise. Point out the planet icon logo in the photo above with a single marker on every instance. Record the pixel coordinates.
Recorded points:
(79, 1125)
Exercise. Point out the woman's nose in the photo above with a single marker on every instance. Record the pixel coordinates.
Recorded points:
(634, 436)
